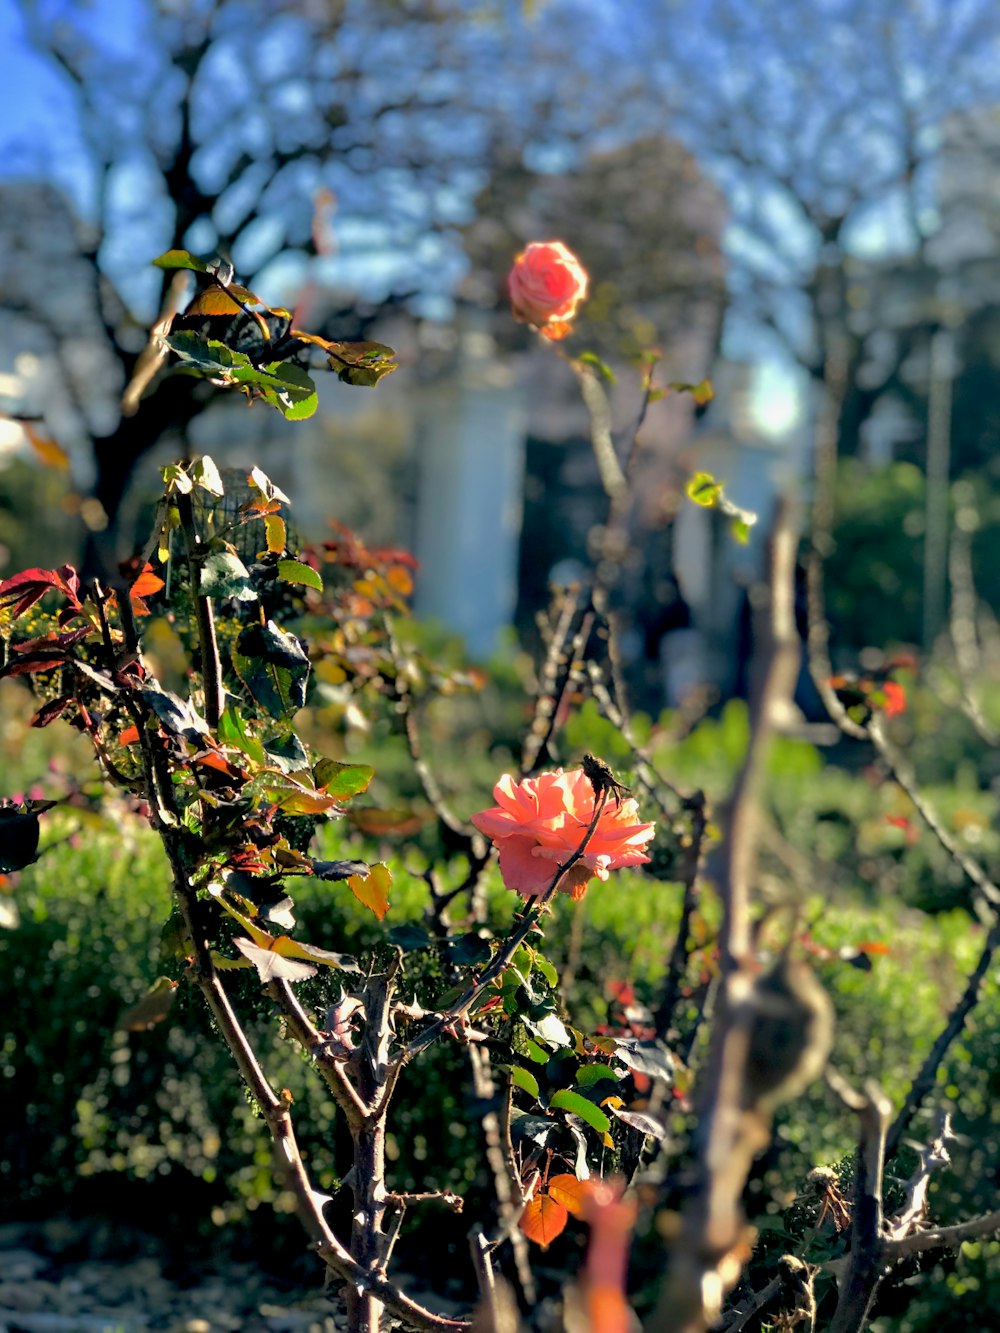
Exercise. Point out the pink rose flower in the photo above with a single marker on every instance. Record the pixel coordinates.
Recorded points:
(546, 284)
(539, 823)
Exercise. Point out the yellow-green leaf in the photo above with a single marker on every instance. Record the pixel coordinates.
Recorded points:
(274, 529)
(372, 890)
(294, 571)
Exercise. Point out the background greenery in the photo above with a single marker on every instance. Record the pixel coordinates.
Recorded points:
(153, 1127)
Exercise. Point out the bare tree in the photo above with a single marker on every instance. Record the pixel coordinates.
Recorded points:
(830, 127)
(214, 127)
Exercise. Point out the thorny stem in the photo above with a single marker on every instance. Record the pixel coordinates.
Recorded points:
(522, 927)
(865, 1267)
(305, 1033)
(366, 1281)
(156, 780)
(506, 1184)
(211, 666)
(904, 778)
(708, 1250)
(927, 1077)
(821, 542)
(559, 670)
(688, 876)
(964, 638)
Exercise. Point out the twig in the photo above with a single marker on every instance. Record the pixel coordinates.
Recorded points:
(942, 1237)
(595, 400)
(903, 776)
(931, 1158)
(962, 626)
(506, 1184)
(647, 775)
(522, 927)
(821, 540)
(927, 1077)
(864, 1266)
(757, 1303)
(308, 1037)
(712, 1240)
(689, 871)
(211, 666)
(428, 782)
(559, 670)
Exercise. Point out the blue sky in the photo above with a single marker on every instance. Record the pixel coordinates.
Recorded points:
(681, 50)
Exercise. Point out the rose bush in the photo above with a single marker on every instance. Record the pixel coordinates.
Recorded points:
(538, 824)
(547, 283)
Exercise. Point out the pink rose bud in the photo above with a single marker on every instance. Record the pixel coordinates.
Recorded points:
(546, 284)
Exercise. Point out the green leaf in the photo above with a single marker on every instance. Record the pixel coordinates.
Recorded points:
(550, 1029)
(209, 355)
(233, 731)
(362, 363)
(605, 371)
(740, 529)
(273, 666)
(176, 479)
(704, 490)
(171, 259)
(291, 391)
(702, 392)
(342, 780)
(565, 1100)
(523, 961)
(535, 1052)
(409, 938)
(286, 752)
(525, 1080)
(225, 575)
(294, 571)
(205, 474)
(151, 1008)
(588, 1075)
(469, 950)
(547, 970)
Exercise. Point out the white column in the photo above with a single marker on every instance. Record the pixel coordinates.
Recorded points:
(469, 498)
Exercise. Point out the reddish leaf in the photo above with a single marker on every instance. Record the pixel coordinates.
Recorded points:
(48, 452)
(23, 590)
(147, 583)
(570, 1192)
(53, 640)
(212, 759)
(130, 736)
(891, 698)
(50, 711)
(543, 1220)
(29, 666)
